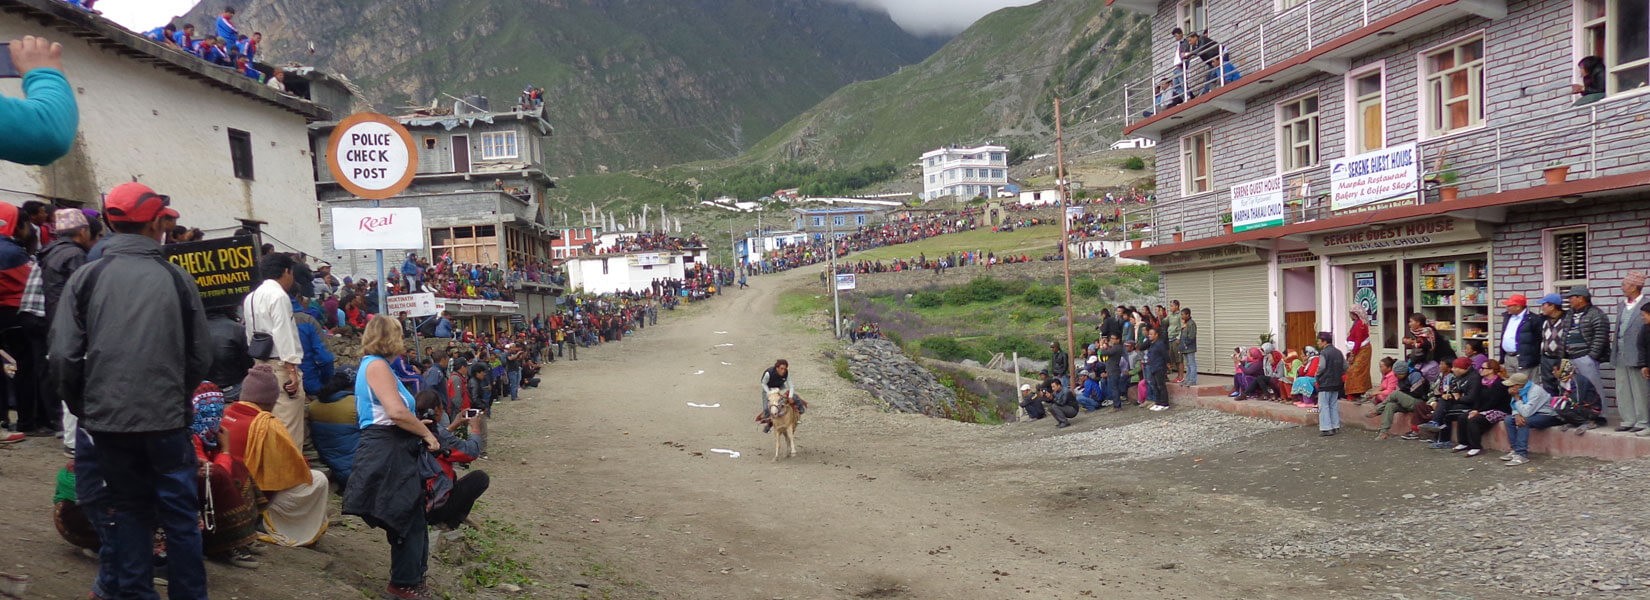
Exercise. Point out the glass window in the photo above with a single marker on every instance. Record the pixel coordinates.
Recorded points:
(819, 221)
(1195, 166)
(1617, 31)
(1298, 133)
(839, 220)
(1454, 91)
(1194, 15)
(498, 145)
(859, 219)
(240, 153)
(1367, 123)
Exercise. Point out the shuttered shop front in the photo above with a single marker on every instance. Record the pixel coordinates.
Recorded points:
(1229, 303)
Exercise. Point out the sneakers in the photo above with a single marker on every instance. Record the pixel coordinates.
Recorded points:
(1585, 427)
(1475, 452)
(1517, 460)
(1062, 425)
(1440, 445)
(1160, 407)
(1432, 426)
(417, 592)
(242, 557)
(1458, 448)
(1411, 436)
(1232, 395)
(12, 438)
(1509, 456)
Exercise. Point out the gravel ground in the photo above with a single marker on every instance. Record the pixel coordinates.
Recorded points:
(1575, 533)
(1178, 432)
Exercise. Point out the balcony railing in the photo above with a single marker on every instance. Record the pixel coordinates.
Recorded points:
(1282, 35)
(1597, 140)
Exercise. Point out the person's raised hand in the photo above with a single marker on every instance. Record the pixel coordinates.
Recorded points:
(32, 53)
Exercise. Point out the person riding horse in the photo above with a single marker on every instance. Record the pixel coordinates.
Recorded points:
(777, 378)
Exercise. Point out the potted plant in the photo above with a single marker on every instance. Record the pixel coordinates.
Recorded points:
(1556, 172)
(1447, 179)
(1136, 239)
(1226, 222)
(1178, 236)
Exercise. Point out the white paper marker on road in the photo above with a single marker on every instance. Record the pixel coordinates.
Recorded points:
(723, 345)
(730, 453)
(721, 333)
(726, 364)
(697, 405)
(699, 372)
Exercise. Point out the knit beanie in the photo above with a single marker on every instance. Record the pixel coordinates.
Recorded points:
(260, 387)
(1462, 363)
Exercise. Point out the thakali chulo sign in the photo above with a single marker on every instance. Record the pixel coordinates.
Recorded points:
(1257, 204)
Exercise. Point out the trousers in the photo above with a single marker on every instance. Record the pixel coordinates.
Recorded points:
(150, 479)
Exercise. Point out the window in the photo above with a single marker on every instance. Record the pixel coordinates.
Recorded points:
(1453, 97)
(1194, 15)
(933, 178)
(240, 153)
(1366, 122)
(467, 244)
(1617, 31)
(859, 219)
(1195, 164)
(1298, 133)
(1567, 259)
(839, 220)
(498, 145)
(968, 173)
(998, 157)
(604, 266)
(1284, 5)
(819, 221)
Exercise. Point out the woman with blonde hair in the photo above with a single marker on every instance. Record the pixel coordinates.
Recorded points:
(385, 487)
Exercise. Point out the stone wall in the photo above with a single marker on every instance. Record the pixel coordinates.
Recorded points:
(875, 283)
(899, 382)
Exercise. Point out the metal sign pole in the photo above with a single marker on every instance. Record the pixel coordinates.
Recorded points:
(836, 294)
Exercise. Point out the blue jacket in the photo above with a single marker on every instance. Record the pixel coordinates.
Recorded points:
(39, 128)
(317, 366)
(443, 328)
(227, 31)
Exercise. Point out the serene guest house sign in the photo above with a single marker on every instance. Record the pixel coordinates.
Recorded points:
(1257, 204)
(1378, 177)
(372, 156)
(1426, 232)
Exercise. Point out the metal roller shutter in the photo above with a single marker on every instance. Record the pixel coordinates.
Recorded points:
(1240, 316)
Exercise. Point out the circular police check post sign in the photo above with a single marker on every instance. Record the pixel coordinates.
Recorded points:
(372, 156)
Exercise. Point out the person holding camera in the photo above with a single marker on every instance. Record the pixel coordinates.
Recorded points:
(454, 451)
(1061, 403)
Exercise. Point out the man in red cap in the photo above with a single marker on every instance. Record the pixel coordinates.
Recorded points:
(1520, 335)
(128, 345)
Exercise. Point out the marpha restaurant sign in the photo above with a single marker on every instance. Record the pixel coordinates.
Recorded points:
(1375, 177)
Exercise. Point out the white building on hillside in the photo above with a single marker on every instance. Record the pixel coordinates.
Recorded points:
(631, 271)
(964, 172)
(223, 146)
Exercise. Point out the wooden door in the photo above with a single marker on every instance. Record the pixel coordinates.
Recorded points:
(461, 154)
(1300, 329)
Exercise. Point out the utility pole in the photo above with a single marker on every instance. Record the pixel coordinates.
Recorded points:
(1065, 222)
(836, 294)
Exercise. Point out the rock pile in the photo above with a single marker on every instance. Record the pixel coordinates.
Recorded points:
(899, 382)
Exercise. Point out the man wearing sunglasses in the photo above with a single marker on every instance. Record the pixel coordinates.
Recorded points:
(128, 344)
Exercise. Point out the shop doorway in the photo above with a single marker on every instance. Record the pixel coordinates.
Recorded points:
(1377, 295)
(1300, 307)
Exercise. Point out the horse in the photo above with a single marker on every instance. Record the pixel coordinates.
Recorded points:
(782, 411)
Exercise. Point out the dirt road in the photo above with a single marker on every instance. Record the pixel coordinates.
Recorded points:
(608, 479)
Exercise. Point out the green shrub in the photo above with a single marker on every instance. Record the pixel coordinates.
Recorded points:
(1044, 296)
(841, 364)
(957, 296)
(1085, 288)
(945, 348)
(986, 289)
(1134, 163)
(1137, 272)
(927, 300)
(1009, 344)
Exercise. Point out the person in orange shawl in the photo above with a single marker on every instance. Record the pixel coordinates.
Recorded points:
(297, 512)
(1359, 352)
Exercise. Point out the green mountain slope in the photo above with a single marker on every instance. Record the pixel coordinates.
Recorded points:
(629, 83)
(995, 81)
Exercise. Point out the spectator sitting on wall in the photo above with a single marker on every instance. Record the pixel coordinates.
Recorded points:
(245, 68)
(226, 24)
(248, 46)
(163, 35)
(40, 127)
(185, 39)
(278, 80)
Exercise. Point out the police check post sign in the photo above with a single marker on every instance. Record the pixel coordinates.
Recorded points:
(372, 156)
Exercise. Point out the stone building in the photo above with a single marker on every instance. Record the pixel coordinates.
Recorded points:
(1393, 157)
(481, 187)
(223, 146)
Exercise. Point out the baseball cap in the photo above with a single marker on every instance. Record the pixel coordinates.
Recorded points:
(136, 203)
(8, 218)
(1025, 387)
(1516, 300)
(1553, 299)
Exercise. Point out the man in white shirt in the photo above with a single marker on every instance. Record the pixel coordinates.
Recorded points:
(1520, 335)
(268, 309)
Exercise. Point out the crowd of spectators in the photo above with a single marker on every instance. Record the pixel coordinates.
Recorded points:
(899, 231)
(224, 45)
(645, 242)
(1200, 65)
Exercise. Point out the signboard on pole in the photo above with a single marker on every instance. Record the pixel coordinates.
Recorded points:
(1377, 177)
(379, 228)
(1257, 204)
(845, 281)
(225, 269)
(415, 305)
(372, 156)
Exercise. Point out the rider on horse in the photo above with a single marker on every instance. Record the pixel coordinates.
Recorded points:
(777, 378)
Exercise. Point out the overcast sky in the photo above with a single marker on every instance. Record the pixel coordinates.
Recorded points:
(923, 17)
(944, 17)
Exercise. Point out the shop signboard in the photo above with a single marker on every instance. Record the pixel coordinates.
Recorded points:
(377, 228)
(1363, 295)
(1426, 232)
(1224, 256)
(224, 269)
(845, 281)
(415, 305)
(652, 259)
(1257, 204)
(1385, 175)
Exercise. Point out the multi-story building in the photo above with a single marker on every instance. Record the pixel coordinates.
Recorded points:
(223, 146)
(841, 220)
(964, 172)
(480, 186)
(1393, 157)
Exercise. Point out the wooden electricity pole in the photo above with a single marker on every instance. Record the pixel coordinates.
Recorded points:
(1064, 189)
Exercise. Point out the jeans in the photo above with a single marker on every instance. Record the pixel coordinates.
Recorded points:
(1191, 368)
(1088, 402)
(1587, 368)
(1329, 411)
(409, 554)
(1112, 392)
(1519, 437)
(1157, 386)
(1063, 414)
(151, 481)
(515, 384)
(92, 497)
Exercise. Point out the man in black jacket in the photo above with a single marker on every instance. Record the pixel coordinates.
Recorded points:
(1331, 382)
(1157, 369)
(1586, 337)
(1520, 335)
(1061, 403)
(128, 346)
(1060, 364)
